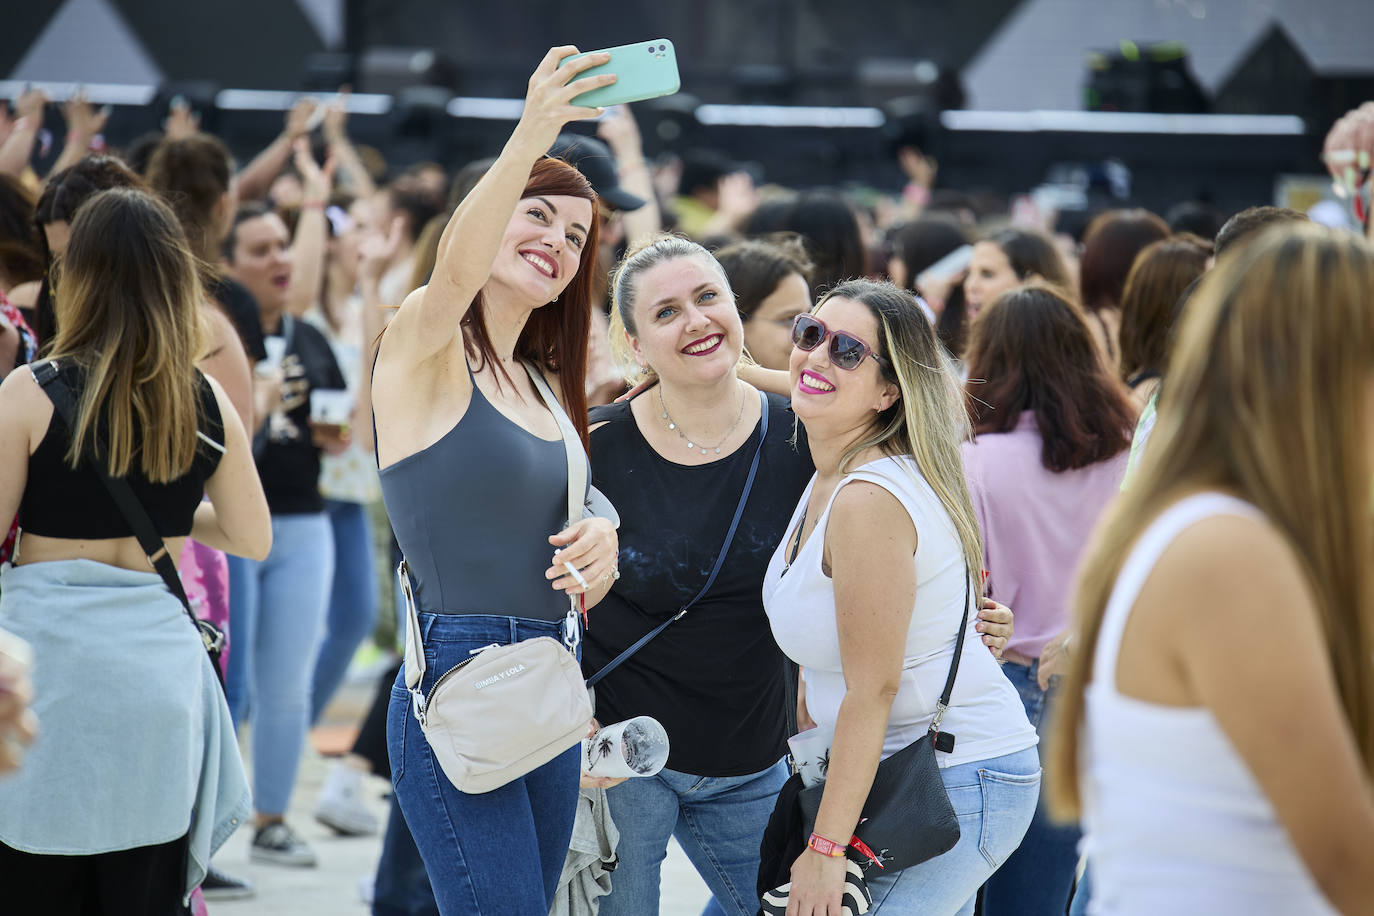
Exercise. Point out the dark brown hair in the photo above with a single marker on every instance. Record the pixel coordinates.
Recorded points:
(1110, 245)
(1032, 350)
(833, 240)
(62, 196)
(193, 174)
(754, 268)
(1032, 253)
(1250, 221)
(21, 254)
(555, 336)
(1161, 273)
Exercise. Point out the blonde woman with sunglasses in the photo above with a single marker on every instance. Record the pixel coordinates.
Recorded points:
(674, 460)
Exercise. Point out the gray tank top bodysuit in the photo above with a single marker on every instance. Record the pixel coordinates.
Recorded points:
(473, 513)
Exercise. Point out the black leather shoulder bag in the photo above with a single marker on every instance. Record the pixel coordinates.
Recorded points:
(907, 818)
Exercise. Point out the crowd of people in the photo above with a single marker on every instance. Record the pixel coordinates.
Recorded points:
(1082, 518)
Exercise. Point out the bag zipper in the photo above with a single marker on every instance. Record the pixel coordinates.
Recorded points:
(429, 697)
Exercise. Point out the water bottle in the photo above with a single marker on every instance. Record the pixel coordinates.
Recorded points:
(635, 747)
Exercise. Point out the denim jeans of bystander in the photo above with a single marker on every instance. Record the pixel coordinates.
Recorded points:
(352, 601)
(1038, 878)
(277, 617)
(717, 820)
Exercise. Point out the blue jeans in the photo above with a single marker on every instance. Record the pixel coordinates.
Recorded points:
(498, 853)
(277, 609)
(718, 821)
(994, 800)
(402, 886)
(352, 600)
(1038, 878)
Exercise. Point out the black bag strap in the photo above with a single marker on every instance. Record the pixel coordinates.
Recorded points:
(942, 705)
(720, 557)
(154, 548)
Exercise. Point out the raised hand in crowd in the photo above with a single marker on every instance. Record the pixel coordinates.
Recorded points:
(353, 175)
(312, 231)
(182, 121)
(257, 176)
(84, 125)
(621, 133)
(1348, 153)
(23, 131)
(738, 201)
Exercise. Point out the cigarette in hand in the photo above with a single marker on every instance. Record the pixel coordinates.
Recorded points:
(572, 570)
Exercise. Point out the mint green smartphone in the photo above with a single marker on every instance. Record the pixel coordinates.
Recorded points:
(644, 70)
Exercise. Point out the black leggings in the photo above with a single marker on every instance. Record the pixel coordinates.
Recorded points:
(371, 741)
(145, 880)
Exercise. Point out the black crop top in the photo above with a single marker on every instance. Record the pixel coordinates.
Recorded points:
(60, 502)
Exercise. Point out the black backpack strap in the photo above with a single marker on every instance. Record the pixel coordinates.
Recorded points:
(154, 548)
(720, 557)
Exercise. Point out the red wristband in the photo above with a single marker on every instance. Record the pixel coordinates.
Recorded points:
(825, 846)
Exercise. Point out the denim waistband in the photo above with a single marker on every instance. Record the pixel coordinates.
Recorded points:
(494, 628)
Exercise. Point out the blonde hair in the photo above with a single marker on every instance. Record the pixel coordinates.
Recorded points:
(625, 290)
(128, 312)
(1266, 396)
(929, 422)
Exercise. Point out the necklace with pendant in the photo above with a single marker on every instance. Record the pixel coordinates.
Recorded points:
(691, 443)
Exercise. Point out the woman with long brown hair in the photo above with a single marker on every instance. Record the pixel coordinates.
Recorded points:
(1110, 246)
(1162, 271)
(1218, 725)
(137, 741)
(1053, 429)
(475, 478)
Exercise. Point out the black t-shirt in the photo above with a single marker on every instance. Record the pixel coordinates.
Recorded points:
(713, 678)
(288, 462)
(242, 309)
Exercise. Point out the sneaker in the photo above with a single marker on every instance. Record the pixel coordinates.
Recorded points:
(219, 885)
(278, 844)
(341, 807)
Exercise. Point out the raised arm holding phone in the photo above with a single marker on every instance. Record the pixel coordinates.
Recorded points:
(475, 476)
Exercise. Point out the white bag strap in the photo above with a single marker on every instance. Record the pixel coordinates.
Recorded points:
(577, 488)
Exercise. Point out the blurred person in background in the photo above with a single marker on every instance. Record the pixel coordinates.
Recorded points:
(826, 221)
(62, 196)
(349, 485)
(1003, 260)
(279, 604)
(1110, 245)
(921, 243)
(1052, 427)
(194, 174)
(137, 690)
(1224, 603)
(770, 280)
(1162, 271)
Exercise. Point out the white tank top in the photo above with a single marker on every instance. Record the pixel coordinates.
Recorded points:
(985, 713)
(1173, 820)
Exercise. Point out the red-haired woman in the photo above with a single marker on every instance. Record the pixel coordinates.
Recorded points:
(1053, 429)
(475, 480)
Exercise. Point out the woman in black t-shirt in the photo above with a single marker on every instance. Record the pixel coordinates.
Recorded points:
(673, 460)
(278, 606)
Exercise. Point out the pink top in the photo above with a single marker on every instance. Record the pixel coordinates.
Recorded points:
(1035, 524)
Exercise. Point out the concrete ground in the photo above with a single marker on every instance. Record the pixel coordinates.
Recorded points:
(332, 887)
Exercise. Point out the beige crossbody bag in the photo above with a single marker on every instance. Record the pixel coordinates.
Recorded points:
(509, 709)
